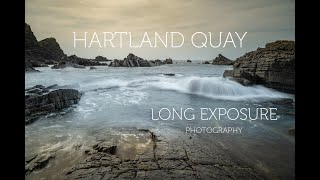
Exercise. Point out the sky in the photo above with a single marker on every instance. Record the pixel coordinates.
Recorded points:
(264, 22)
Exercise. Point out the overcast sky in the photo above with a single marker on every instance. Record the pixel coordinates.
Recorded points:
(264, 21)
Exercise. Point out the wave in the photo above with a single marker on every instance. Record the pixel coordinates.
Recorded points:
(219, 88)
(211, 87)
(102, 84)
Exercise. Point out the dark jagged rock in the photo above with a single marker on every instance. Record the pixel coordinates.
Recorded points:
(287, 101)
(48, 51)
(135, 61)
(221, 60)
(83, 61)
(206, 62)
(189, 61)
(169, 74)
(64, 64)
(92, 68)
(51, 62)
(116, 63)
(101, 58)
(40, 52)
(52, 48)
(38, 64)
(28, 68)
(106, 147)
(131, 61)
(292, 131)
(32, 47)
(60, 65)
(40, 100)
(272, 66)
(168, 61)
(156, 62)
(33, 51)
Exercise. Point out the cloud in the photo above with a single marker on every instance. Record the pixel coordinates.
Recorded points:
(263, 20)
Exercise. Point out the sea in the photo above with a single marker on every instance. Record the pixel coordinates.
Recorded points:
(118, 98)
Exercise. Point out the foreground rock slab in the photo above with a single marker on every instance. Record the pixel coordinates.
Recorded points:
(163, 158)
(41, 100)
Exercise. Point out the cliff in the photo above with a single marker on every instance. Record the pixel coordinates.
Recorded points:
(272, 66)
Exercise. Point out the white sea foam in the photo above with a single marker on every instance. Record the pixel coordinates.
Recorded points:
(218, 88)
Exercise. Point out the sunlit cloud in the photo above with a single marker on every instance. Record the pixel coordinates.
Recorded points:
(265, 21)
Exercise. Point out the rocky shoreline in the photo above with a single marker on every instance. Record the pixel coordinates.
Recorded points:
(272, 66)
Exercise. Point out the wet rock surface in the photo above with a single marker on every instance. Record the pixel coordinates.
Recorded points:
(166, 158)
(41, 100)
(272, 66)
(292, 131)
(37, 162)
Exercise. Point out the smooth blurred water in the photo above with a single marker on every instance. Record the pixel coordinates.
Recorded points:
(123, 98)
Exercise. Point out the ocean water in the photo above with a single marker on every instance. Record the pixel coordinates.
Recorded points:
(120, 98)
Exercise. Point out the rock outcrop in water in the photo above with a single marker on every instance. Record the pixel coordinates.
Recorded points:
(83, 61)
(168, 61)
(41, 100)
(76, 62)
(156, 62)
(272, 66)
(64, 64)
(206, 62)
(221, 60)
(130, 61)
(101, 58)
(28, 67)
